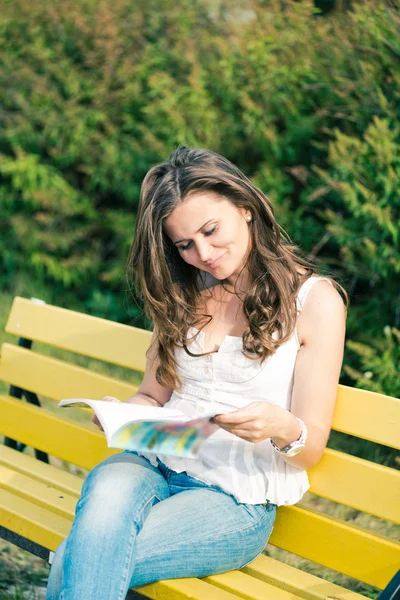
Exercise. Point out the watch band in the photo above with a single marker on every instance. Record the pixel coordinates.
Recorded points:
(294, 447)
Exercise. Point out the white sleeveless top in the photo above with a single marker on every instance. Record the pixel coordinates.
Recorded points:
(252, 472)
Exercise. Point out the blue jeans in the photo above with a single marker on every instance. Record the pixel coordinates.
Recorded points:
(136, 524)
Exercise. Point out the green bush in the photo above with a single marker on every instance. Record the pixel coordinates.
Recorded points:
(378, 365)
(93, 93)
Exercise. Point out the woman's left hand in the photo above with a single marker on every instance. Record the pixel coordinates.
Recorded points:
(255, 422)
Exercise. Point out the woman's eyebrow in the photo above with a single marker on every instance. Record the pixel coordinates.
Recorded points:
(202, 227)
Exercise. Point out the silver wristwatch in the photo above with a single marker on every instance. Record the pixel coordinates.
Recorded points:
(296, 446)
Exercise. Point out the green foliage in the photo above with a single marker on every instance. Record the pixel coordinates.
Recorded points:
(379, 364)
(93, 93)
(22, 576)
(364, 174)
(90, 100)
(47, 221)
(362, 213)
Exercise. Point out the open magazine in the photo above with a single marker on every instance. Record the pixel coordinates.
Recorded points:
(152, 429)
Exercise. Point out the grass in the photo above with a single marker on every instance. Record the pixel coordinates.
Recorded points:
(23, 576)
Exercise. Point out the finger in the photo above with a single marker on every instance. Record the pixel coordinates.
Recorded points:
(247, 435)
(242, 415)
(248, 426)
(96, 421)
(236, 418)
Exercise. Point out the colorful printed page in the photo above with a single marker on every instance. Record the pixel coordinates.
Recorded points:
(182, 439)
(151, 429)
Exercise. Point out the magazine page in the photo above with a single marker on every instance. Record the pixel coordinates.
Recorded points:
(174, 438)
(113, 415)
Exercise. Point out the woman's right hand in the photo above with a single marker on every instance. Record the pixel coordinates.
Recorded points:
(94, 417)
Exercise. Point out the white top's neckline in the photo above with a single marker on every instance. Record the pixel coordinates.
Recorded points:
(303, 288)
(234, 338)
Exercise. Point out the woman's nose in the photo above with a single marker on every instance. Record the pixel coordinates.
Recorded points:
(204, 250)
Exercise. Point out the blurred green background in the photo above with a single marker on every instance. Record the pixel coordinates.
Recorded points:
(303, 96)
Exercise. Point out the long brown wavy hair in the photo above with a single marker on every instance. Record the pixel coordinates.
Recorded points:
(171, 288)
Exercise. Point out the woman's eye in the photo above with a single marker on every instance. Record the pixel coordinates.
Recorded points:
(189, 244)
(211, 231)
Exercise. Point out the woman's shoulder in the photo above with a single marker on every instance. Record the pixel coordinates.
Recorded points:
(307, 283)
(317, 288)
(319, 303)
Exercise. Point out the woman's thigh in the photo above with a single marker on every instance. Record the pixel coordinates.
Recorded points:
(199, 532)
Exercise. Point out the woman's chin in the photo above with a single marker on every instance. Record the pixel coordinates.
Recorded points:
(220, 273)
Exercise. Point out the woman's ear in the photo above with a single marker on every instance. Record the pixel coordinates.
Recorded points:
(246, 214)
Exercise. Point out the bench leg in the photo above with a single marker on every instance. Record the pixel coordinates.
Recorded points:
(33, 399)
(17, 392)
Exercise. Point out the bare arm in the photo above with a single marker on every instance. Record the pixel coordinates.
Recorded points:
(321, 331)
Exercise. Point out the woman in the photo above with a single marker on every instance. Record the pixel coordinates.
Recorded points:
(242, 325)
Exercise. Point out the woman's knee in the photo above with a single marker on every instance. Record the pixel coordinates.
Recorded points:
(117, 485)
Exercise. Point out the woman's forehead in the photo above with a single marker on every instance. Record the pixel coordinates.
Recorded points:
(194, 212)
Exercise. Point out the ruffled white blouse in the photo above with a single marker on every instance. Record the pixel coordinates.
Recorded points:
(252, 472)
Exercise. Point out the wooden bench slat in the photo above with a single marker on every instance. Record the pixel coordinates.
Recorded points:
(40, 494)
(55, 379)
(31, 521)
(64, 439)
(40, 471)
(182, 589)
(332, 543)
(295, 581)
(247, 587)
(357, 483)
(368, 415)
(91, 336)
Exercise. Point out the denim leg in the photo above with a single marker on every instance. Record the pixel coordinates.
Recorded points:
(140, 525)
(97, 557)
(200, 532)
(55, 581)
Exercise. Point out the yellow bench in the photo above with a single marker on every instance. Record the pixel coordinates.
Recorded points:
(37, 499)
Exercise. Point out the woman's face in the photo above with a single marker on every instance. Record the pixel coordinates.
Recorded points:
(211, 233)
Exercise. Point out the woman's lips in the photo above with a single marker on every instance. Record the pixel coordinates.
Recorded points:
(216, 263)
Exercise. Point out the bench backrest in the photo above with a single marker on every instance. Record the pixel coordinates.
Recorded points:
(354, 482)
